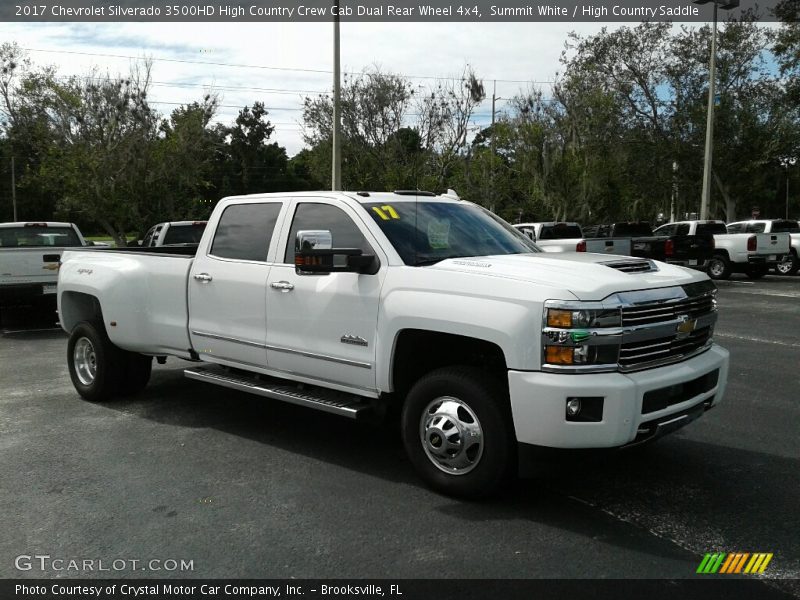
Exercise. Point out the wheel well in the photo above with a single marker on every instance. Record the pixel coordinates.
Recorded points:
(722, 252)
(418, 352)
(77, 307)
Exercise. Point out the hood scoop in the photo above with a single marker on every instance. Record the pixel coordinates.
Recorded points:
(632, 265)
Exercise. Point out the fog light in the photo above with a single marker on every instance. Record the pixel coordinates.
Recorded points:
(573, 407)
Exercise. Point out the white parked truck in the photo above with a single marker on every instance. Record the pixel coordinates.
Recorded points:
(790, 263)
(739, 249)
(356, 303)
(174, 233)
(555, 237)
(29, 255)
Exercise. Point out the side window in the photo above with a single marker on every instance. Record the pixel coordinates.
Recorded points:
(148, 238)
(682, 229)
(344, 232)
(736, 228)
(756, 227)
(245, 230)
(665, 230)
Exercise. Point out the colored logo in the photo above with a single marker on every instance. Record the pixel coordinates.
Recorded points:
(734, 562)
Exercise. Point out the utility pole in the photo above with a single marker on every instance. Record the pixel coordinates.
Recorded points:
(14, 189)
(712, 76)
(336, 159)
(788, 161)
(491, 163)
(673, 200)
(705, 200)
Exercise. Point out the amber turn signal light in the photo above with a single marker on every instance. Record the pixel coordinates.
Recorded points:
(559, 355)
(559, 318)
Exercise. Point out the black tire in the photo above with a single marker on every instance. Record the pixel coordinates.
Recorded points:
(136, 374)
(719, 267)
(492, 462)
(756, 271)
(106, 358)
(789, 266)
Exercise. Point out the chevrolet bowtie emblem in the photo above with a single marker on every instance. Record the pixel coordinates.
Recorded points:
(685, 326)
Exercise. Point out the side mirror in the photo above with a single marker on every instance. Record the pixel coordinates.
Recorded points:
(313, 253)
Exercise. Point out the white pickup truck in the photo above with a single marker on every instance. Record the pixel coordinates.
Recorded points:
(555, 237)
(358, 303)
(740, 249)
(29, 255)
(790, 263)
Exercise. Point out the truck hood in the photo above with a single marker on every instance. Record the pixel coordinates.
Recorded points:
(588, 276)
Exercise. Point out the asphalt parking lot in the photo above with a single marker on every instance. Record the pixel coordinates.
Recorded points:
(246, 487)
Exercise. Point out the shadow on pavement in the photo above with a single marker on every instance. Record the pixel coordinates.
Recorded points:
(676, 488)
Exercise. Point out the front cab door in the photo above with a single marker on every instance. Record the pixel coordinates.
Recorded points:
(324, 326)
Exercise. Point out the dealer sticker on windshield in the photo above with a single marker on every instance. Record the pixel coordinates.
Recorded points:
(439, 234)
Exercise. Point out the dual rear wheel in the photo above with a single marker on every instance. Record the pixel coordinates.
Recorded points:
(100, 370)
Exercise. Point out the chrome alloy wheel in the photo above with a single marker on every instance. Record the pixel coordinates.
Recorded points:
(84, 361)
(451, 435)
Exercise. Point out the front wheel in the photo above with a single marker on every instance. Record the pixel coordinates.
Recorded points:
(457, 431)
(95, 364)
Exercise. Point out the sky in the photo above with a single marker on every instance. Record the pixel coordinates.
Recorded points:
(280, 63)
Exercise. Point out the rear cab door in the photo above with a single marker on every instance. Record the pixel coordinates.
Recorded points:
(228, 281)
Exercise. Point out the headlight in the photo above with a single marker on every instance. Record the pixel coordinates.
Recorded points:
(580, 336)
(583, 318)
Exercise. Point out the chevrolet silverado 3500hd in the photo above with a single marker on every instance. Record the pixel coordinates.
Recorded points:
(355, 302)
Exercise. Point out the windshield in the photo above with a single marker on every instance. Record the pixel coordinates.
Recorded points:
(38, 235)
(427, 232)
(785, 227)
(184, 234)
(560, 231)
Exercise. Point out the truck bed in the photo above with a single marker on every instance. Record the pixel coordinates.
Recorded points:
(144, 291)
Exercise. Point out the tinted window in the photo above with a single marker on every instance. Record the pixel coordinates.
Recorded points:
(785, 227)
(560, 231)
(310, 217)
(736, 228)
(665, 230)
(32, 236)
(682, 229)
(713, 228)
(631, 229)
(184, 234)
(245, 230)
(756, 227)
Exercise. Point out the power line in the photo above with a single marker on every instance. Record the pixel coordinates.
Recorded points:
(266, 67)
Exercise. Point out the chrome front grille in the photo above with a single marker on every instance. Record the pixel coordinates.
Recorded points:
(639, 354)
(655, 312)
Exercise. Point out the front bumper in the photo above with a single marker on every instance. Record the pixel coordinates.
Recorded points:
(538, 401)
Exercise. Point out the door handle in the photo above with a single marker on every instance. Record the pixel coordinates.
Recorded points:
(283, 286)
(204, 277)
